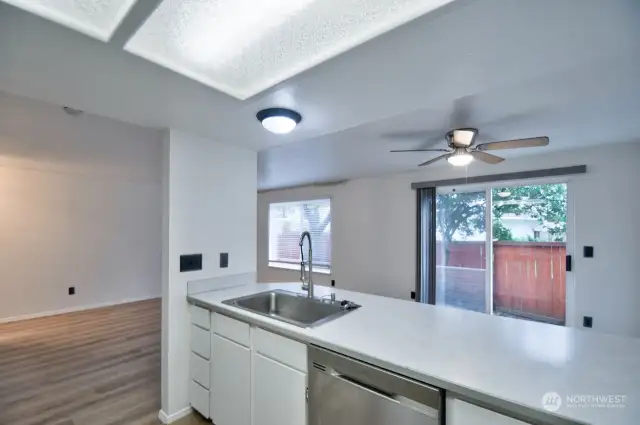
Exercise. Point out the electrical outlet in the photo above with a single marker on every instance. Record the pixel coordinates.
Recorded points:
(588, 252)
(413, 295)
(587, 321)
(72, 290)
(224, 260)
(333, 282)
(191, 262)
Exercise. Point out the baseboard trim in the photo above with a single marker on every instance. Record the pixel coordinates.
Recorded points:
(73, 309)
(167, 419)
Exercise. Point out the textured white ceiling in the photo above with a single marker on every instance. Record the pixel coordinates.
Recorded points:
(529, 68)
(96, 18)
(243, 47)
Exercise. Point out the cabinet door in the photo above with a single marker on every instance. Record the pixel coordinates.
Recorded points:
(462, 413)
(230, 382)
(279, 393)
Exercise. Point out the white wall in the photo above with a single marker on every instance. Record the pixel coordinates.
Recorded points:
(209, 207)
(374, 231)
(79, 206)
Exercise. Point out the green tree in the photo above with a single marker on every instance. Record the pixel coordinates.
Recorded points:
(464, 213)
(546, 203)
(461, 213)
(500, 232)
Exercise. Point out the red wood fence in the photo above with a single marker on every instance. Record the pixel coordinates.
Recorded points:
(528, 277)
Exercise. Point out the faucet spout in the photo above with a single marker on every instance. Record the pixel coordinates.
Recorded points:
(309, 285)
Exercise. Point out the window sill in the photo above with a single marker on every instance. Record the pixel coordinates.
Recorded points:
(287, 266)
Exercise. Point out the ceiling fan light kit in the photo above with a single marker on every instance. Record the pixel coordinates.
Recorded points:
(459, 158)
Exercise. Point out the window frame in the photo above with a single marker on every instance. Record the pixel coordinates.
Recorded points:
(292, 266)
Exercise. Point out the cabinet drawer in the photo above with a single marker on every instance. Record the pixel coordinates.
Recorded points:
(199, 370)
(286, 351)
(199, 398)
(200, 316)
(232, 329)
(200, 341)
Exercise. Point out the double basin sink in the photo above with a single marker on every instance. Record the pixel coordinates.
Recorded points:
(292, 308)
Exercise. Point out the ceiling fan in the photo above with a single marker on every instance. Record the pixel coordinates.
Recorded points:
(462, 150)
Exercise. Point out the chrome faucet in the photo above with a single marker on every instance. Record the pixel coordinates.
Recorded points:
(306, 286)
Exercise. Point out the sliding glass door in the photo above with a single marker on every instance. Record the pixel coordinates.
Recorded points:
(500, 250)
(529, 251)
(461, 250)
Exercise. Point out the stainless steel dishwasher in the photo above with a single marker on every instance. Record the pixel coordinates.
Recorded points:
(344, 391)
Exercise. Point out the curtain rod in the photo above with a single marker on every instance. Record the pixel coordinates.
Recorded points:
(489, 178)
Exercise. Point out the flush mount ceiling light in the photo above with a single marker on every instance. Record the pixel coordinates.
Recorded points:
(279, 120)
(243, 47)
(95, 18)
(460, 158)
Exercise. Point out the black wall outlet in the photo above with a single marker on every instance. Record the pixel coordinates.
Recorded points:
(587, 321)
(588, 252)
(333, 282)
(191, 262)
(72, 290)
(224, 260)
(413, 295)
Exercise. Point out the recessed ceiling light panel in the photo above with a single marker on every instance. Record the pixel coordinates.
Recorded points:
(95, 18)
(243, 47)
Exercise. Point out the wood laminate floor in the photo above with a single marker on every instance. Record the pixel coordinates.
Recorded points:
(95, 367)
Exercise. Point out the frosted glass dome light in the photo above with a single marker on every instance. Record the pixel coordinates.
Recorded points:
(460, 158)
(279, 120)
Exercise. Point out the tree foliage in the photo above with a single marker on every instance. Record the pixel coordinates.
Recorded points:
(463, 214)
(546, 203)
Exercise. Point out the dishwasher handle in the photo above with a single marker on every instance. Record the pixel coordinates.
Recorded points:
(363, 386)
(393, 398)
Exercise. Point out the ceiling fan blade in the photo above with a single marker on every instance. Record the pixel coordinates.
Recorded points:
(431, 161)
(419, 150)
(514, 144)
(486, 157)
(461, 115)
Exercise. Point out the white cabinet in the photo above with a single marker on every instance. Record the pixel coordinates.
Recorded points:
(243, 375)
(230, 384)
(279, 393)
(199, 398)
(463, 413)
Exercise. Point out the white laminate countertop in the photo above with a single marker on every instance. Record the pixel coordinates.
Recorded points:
(498, 361)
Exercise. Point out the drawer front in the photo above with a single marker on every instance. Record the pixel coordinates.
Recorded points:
(199, 398)
(199, 370)
(200, 317)
(200, 342)
(286, 351)
(232, 329)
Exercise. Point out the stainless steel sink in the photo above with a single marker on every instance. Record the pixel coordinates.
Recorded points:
(292, 308)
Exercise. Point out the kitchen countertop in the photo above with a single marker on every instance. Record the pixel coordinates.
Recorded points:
(500, 362)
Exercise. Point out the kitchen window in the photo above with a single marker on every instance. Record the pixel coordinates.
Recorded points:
(287, 220)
